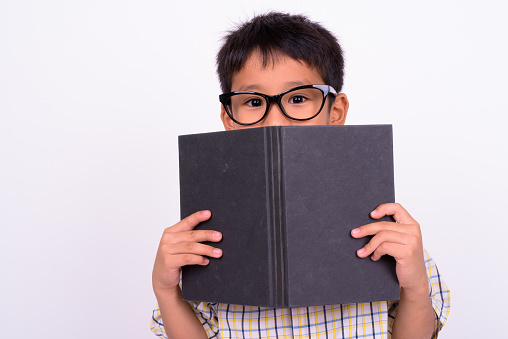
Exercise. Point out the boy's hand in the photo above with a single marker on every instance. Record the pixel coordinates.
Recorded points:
(402, 240)
(180, 245)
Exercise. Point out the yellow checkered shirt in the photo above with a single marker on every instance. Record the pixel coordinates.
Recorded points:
(363, 320)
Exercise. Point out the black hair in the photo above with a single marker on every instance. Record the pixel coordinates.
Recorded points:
(289, 35)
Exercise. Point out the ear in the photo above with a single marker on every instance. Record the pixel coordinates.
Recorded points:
(338, 111)
(226, 120)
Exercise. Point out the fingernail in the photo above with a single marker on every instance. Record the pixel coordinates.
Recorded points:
(373, 213)
(216, 234)
(206, 213)
(217, 251)
(360, 251)
(207, 261)
(356, 231)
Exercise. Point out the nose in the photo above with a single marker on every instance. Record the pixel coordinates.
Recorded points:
(275, 117)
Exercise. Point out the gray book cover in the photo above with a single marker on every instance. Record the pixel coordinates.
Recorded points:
(285, 199)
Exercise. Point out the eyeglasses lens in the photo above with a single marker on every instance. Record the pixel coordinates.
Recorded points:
(299, 104)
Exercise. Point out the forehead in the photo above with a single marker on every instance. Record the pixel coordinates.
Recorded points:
(277, 74)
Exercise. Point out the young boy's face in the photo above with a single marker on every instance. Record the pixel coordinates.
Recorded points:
(285, 73)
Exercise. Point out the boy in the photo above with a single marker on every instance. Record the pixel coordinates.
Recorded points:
(284, 55)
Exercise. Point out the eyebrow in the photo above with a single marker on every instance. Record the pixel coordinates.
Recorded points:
(252, 88)
(290, 84)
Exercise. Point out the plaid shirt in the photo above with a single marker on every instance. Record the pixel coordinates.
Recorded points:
(363, 320)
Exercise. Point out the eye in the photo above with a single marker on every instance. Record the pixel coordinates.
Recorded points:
(297, 99)
(255, 102)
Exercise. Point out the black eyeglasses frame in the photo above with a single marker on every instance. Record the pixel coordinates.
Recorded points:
(325, 89)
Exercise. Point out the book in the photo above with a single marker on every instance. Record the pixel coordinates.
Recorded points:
(286, 199)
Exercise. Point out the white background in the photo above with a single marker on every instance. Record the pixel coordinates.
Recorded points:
(94, 93)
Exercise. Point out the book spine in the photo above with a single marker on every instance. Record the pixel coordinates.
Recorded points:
(276, 213)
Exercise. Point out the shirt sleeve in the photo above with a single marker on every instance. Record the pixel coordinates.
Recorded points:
(156, 325)
(439, 297)
(439, 294)
(206, 313)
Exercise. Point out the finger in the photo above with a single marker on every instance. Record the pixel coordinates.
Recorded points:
(392, 249)
(195, 248)
(194, 236)
(190, 259)
(396, 210)
(381, 238)
(190, 222)
(376, 227)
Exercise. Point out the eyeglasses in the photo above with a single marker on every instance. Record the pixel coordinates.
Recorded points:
(300, 103)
